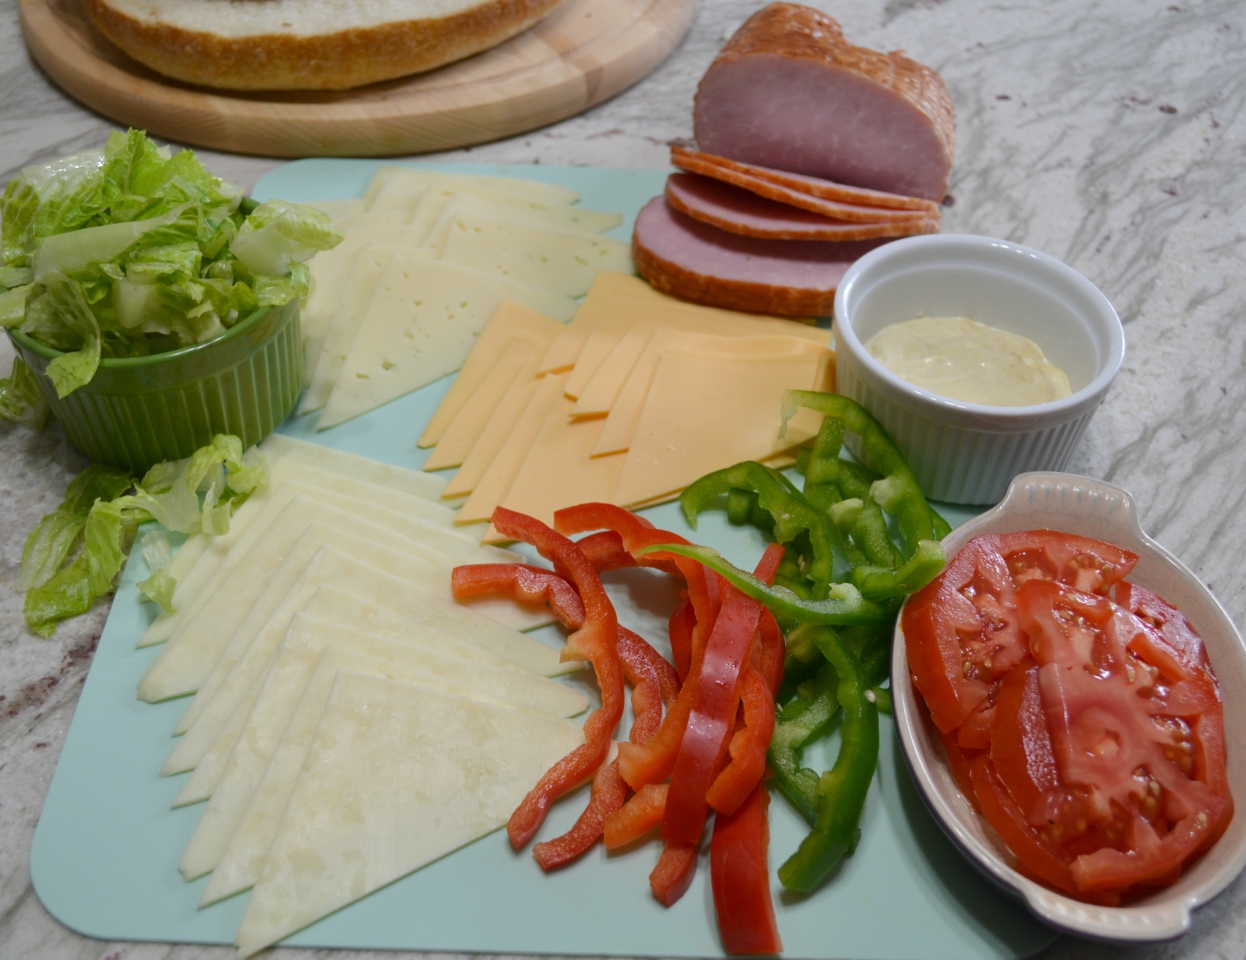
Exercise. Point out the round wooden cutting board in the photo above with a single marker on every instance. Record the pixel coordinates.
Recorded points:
(583, 53)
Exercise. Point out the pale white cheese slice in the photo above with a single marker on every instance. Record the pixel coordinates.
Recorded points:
(396, 777)
(420, 326)
(330, 270)
(225, 602)
(338, 334)
(563, 262)
(343, 561)
(230, 771)
(288, 458)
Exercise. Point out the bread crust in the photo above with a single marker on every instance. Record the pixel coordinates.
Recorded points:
(335, 61)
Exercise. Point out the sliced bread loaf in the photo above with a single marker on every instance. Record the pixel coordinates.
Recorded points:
(307, 44)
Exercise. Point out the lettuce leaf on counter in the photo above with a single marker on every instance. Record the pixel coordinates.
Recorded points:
(100, 517)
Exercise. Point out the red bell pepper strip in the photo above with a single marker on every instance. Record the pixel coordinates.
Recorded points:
(525, 583)
(642, 671)
(772, 652)
(605, 551)
(740, 877)
(609, 792)
(748, 747)
(680, 628)
(597, 642)
(711, 717)
(652, 761)
(642, 813)
(673, 875)
(712, 712)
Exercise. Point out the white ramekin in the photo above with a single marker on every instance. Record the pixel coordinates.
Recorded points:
(1092, 508)
(968, 452)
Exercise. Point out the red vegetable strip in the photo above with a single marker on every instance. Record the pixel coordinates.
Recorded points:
(609, 792)
(682, 622)
(605, 551)
(772, 652)
(642, 813)
(596, 642)
(711, 717)
(646, 685)
(525, 583)
(735, 783)
(653, 761)
(740, 877)
(707, 734)
(672, 876)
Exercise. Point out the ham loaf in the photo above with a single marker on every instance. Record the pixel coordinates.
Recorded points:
(790, 93)
(695, 261)
(740, 211)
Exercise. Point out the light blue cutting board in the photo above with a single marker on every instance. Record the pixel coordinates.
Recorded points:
(104, 858)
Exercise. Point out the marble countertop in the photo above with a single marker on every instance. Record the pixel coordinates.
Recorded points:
(1108, 133)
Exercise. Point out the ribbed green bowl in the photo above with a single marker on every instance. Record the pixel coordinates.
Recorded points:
(136, 412)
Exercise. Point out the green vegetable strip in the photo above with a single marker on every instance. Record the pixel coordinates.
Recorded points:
(800, 722)
(897, 492)
(845, 605)
(842, 789)
(792, 514)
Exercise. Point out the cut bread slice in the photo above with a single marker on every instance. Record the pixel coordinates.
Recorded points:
(307, 44)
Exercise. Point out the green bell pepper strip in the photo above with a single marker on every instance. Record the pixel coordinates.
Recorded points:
(897, 492)
(922, 567)
(800, 722)
(843, 788)
(844, 605)
(778, 497)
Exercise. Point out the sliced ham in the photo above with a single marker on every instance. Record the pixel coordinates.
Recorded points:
(741, 211)
(814, 186)
(790, 93)
(695, 261)
(835, 209)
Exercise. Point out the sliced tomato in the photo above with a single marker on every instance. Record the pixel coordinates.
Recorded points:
(1090, 566)
(1020, 744)
(1140, 791)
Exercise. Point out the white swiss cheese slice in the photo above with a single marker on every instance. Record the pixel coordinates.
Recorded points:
(234, 766)
(565, 262)
(509, 187)
(420, 326)
(396, 777)
(465, 206)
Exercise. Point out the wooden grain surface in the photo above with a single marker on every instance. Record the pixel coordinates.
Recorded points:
(585, 52)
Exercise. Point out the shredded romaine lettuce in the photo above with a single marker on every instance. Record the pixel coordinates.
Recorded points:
(99, 516)
(134, 251)
(21, 400)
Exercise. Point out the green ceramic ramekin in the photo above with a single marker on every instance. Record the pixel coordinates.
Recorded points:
(136, 412)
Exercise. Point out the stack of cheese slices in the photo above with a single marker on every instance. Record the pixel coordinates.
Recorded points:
(631, 402)
(427, 259)
(350, 721)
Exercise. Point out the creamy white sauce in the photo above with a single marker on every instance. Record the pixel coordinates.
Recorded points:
(964, 360)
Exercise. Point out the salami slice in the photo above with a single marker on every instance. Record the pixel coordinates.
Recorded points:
(698, 262)
(739, 211)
